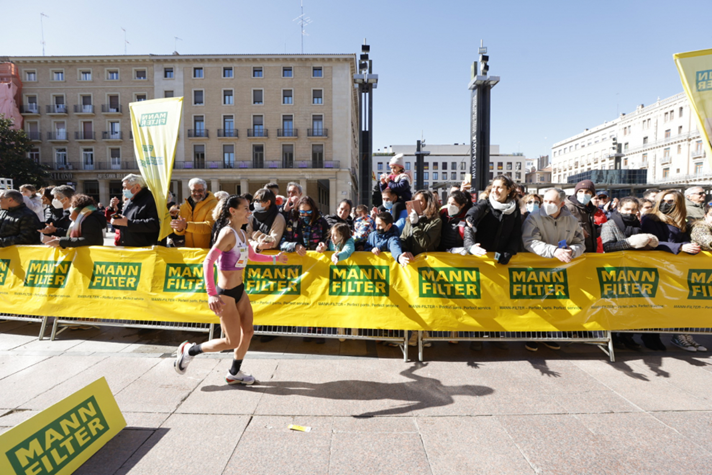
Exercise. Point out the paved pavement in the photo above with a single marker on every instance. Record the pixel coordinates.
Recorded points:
(493, 411)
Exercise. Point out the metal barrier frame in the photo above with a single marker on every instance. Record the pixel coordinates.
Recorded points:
(27, 318)
(208, 328)
(602, 339)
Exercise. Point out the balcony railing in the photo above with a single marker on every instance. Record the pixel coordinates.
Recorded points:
(257, 164)
(318, 132)
(66, 165)
(196, 133)
(35, 135)
(287, 133)
(29, 109)
(84, 136)
(57, 109)
(57, 136)
(111, 109)
(698, 154)
(257, 132)
(112, 135)
(227, 133)
(83, 109)
(97, 165)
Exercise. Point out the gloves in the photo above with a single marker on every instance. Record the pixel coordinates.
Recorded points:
(654, 241)
(413, 217)
(477, 250)
(639, 241)
(504, 258)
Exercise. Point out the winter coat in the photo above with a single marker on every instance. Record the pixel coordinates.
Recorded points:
(199, 221)
(332, 219)
(19, 225)
(400, 185)
(424, 236)
(92, 232)
(386, 242)
(399, 213)
(702, 235)
(694, 211)
(143, 225)
(61, 224)
(276, 231)
(295, 232)
(541, 233)
(362, 228)
(493, 230)
(586, 218)
(453, 230)
(671, 237)
(35, 204)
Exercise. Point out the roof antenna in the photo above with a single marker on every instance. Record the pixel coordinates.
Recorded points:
(303, 22)
(42, 26)
(175, 44)
(125, 41)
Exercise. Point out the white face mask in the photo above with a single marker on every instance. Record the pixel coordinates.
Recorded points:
(453, 210)
(533, 207)
(550, 208)
(57, 204)
(258, 206)
(583, 198)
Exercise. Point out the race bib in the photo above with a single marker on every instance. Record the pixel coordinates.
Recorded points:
(242, 261)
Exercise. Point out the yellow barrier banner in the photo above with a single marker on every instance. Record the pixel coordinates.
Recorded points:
(61, 438)
(438, 291)
(155, 125)
(695, 68)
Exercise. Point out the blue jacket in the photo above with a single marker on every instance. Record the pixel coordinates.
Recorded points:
(388, 241)
(346, 250)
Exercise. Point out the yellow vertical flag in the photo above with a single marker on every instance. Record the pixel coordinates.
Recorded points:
(155, 125)
(695, 70)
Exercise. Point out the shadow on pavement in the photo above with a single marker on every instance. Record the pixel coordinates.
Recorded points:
(123, 452)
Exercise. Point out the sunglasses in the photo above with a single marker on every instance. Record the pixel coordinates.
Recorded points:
(305, 213)
(699, 193)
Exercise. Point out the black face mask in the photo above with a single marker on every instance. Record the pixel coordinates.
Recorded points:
(381, 231)
(667, 208)
(629, 218)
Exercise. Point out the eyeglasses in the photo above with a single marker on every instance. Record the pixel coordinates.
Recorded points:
(699, 193)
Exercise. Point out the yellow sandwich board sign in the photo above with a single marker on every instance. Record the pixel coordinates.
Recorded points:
(61, 438)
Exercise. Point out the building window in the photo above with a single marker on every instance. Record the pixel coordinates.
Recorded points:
(258, 156)
(112, 75)
(625, 146)
(256, 72)
(453, 166)
(666, 173)
(407, 165)
(30, 76)
(518, 166)
(317, 96)
(463, 166)
(500, 166)
(317, 72)
(198, 99)
(167, 93)
(380, 166)
(666, 116)
(435, 176)
(198, 73)
(679, 130)
(317, 156)
(60, 158)
(288, 156)
(644, 158)
(287, 125)
(287, 72)
(115, 157)
(257, 97)
(698, 166)
(88, 158)
(34, 155)
(114, 130)
(229, 125)
(444, 166)
(228, 98)
(229, 156)
(667, 134)
(58, 75)
(645, 140)
(317, 125)
(680, 112)
(228, 72)
(199, 156)
(435, 165)
(425, 176)
(453, 176)
(509, 166)
(140, 97)
(679, 149)
(140, 75)
(287, 96)
(666, 153)
(698, 146)
(168, 73)
(199, 125)
(258, 128)
(85, 75)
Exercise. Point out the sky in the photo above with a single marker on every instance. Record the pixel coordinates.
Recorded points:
(564, 66)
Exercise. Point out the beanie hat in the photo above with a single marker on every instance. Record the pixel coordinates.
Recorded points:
(585, 185)
(397, 160)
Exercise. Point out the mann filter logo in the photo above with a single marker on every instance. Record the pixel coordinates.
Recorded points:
(370, 281)
(115, 276)
(4, 266)
(538, 283)
(48, 274)
(699, 283)
(184, 278)
(278, 280)
(51, 448)
(153, 119)
(148, 148)
(704, 80)
(449, 282)
(627, 282)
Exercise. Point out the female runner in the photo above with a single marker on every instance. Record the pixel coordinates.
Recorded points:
(229, 300)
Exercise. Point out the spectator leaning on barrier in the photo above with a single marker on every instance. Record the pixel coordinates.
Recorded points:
(50, 212)
(341, 242)
(266, 224)
(33, 200)
(363, 225)
(623, 232)
(196, 215)
(646, 206)
(668, 222)
(422, 231)
(453, 227)
(581, 207)
(62, 199)
(702, 230)
(394, 205)
(294, 194)
(86, 228)
(343, 214)
(307, 232)
(495, 224)
(530, 204)
(138, 225)
(694, 203)
(385, 238)
(18, 223)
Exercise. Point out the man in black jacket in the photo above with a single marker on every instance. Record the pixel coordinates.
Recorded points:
(139, 225)
(18, 223)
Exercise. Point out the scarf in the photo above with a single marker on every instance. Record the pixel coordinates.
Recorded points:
(629, 227)
(263, 219)
(75, 229)
(505, 208)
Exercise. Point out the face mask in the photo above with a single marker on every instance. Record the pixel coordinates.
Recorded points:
(388, 204)
(550, 208)
(627, 217)
(72, 210)
(258, 206)
(667, 208)
(583, 198)
(128, 195)
(453, 210)
(57, 204)
(306, 219)
(533, 207)
(381, 231)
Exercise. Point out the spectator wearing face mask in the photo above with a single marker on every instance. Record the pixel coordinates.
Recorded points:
(138, 225)
(86, 227)
(392, 204)
(308, 233)
(266, 224)
(580, 206)
(531, 203)
(62, 198)
(33, 200)
(386, 237)
(454, 224)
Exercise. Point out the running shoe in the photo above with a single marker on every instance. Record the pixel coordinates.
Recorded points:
(681, 342)
(183, 359)
(240, 378)
(692, 342)
(552, 345)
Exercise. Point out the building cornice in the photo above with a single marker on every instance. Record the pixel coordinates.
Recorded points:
(192, 58)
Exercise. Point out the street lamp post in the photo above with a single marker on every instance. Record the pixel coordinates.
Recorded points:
(420, 165)
(366, 82)
(481, 85)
